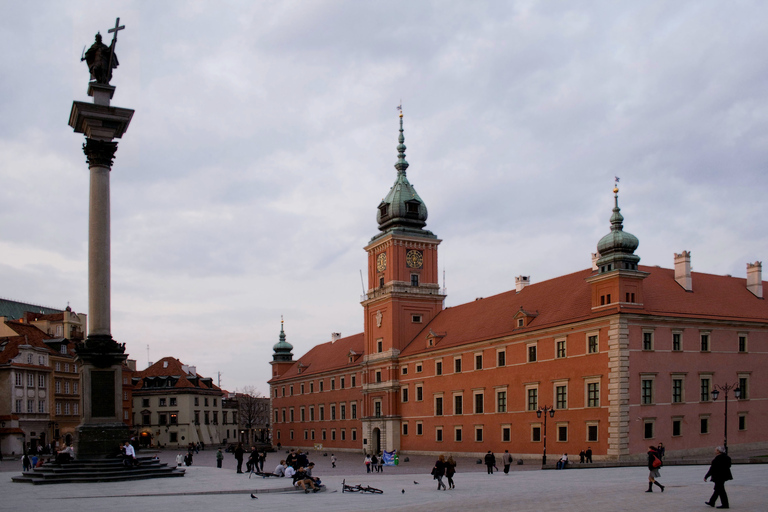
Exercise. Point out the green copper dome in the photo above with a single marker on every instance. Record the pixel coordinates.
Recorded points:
(402, 210)
(282, 348)
(617, 247)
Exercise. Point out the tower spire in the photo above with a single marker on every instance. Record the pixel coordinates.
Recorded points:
(401, 164)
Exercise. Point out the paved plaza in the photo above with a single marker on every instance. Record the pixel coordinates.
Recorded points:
(526, 488)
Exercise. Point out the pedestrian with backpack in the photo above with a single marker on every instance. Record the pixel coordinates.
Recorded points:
(654, 463)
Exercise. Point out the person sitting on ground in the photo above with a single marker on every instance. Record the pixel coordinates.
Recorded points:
(66, 455)
(562, 462)
(280, 469)
(302, 480)
(309, 474)
(290, 472)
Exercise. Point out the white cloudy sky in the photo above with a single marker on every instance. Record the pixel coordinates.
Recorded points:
(264, 138)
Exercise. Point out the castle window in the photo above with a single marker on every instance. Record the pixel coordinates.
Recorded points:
(560, 349)
(648, 341)
(384, 210)
(439, 434)
(677, 341)
(478, 361)
(416, 319)
(521, 322)
(412, 207)
(381, 281)
(457, 365)
(501, 358)
(648, 429)
(705, 342)
(378, 375)
(379, 345)
(438, 368)
(592, 344)
(742, 343)
(414, 279)
(532, 353)
(677, 429)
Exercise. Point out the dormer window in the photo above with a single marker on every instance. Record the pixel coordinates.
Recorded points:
(412, 207)
(384, 209)
(521, 322)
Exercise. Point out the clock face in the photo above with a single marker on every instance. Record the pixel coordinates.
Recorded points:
(381, 262)
(414, 259)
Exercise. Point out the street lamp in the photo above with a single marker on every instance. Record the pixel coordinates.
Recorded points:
(715, 393)
(539, 412)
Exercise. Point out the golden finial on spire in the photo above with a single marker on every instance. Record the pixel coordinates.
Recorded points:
(400, 108)
(616, 185)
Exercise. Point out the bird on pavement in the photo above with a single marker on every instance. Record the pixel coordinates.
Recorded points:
(254, 496)
(415, 482)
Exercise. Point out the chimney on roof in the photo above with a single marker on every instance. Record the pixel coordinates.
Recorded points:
(193, 371)
(755, 278)
(683, 270)
(521, 282)
(149, 363)
(335, 336)
(595, 257)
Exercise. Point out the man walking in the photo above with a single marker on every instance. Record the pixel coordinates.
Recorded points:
(490, 461)
(719, 473)
(506, 459)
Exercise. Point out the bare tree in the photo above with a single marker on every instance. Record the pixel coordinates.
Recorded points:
(253, 410)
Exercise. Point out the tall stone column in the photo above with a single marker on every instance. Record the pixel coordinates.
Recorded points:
(102, 429)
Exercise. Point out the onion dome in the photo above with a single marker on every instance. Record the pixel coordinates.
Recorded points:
(402, 210)
(282, 348)
(617, 248)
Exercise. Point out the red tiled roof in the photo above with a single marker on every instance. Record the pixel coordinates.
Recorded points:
(558, 301)
(27, 335)
(173, 368)
(327, 356)
(31, 316)
(567, 299)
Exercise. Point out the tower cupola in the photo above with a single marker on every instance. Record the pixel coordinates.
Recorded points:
(402, 210)
(282, 348)
(617, 248)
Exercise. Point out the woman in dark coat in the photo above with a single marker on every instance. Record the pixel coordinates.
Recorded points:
(719, 473)
(653, 455)
(439, 471)
(450, 470)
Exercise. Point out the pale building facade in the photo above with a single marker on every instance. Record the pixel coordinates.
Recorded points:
(174, 406)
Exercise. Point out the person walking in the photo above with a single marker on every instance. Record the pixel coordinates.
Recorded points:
(654, 463)
(490, 461)
(588, 454)
(380, 468)
(374, 463)
(450, 470)
(219, 458)
(333, 461)
(506, 459)
(239, 457)
(438, 472)
(367, 462)
(719, 473)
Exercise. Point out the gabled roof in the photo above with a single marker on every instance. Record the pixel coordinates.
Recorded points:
(174, 369)
(325, 357)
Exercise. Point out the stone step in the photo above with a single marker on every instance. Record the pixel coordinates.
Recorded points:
(74, 478)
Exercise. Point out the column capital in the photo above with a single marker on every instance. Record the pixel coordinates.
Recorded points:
(99, 152)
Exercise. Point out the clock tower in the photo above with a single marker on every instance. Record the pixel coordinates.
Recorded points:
(403, 296)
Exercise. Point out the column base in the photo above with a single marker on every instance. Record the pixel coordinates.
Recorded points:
(100, 441)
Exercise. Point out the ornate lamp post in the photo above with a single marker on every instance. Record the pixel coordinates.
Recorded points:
(544, 410)
(715, 393)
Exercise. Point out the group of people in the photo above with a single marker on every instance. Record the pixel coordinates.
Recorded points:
(373, 463)
(719, 473)
(297, 467)
(444, 468)
(586, 455)
(255, 462)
